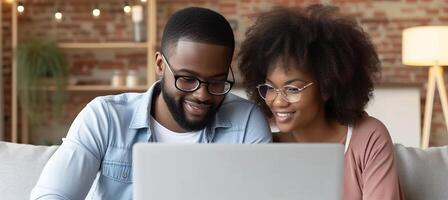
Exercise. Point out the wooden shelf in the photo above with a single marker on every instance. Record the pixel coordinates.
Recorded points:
(105, 45)
(102, 88)
(149, 46)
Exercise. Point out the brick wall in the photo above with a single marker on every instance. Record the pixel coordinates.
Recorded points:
(383, 20)
(6, 61)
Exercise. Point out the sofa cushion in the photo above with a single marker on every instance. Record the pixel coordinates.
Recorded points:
(20, 167)
(423, 173)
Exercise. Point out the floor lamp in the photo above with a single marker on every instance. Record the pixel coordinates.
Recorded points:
(428, 46)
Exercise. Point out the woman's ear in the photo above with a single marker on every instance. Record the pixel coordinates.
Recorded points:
(325, 97)
(159, 64)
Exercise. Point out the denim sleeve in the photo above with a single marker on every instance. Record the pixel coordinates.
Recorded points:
(71, 170)
(257, 128)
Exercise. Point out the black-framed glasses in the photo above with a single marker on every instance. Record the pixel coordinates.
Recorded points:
(289, 93)
(191, 83)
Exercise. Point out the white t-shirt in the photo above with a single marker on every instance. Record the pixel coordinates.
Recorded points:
(164, 135)
(349, 136)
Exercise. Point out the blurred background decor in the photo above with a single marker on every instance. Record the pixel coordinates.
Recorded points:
(41, 64)
(98, 38)
(428, 46)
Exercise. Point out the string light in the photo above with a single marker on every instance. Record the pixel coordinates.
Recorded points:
(58, 15)
(127, 7)
(20, 7)
(96, 12)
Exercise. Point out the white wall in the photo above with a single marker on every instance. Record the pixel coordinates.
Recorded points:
(398, 107)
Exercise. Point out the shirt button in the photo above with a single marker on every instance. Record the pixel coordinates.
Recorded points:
(124, 175)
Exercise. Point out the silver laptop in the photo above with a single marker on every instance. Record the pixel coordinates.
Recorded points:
(238, 172)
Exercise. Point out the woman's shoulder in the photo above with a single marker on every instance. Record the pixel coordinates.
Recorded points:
(370, 132)
(368, 126)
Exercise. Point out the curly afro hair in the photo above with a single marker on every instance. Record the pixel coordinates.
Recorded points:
(332, 47)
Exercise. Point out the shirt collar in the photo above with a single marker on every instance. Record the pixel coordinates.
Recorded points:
(221, 120)
(142, 113)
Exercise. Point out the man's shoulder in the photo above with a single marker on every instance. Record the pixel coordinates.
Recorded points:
(123, 100)
(237, 110)
(236, 100)
(233, 100)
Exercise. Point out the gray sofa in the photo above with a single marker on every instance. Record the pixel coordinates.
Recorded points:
(20, 167)
(423, 173)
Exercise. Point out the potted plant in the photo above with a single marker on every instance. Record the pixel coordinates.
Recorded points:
(41, 65)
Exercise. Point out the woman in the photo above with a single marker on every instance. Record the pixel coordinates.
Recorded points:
(313, 70)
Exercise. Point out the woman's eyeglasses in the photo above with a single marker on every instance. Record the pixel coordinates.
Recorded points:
(289, 93)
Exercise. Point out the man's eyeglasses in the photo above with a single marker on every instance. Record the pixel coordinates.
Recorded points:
(191, 83)
(289, 93)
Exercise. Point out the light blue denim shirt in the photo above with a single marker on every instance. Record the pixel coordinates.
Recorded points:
(101, 137)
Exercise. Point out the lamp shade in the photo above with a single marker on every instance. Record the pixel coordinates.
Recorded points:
(425, 46)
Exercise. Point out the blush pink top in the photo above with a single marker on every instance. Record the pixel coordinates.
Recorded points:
(370, 166)
(370, 171)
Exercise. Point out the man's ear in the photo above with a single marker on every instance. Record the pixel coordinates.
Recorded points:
(159, 64)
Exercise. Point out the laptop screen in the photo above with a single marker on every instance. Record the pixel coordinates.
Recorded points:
(238, 171)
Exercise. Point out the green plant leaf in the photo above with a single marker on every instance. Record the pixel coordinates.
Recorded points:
(40, 61)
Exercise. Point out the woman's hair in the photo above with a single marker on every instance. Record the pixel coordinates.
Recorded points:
(332, 47)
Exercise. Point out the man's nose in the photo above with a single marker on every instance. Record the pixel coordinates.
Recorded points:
(202, 93)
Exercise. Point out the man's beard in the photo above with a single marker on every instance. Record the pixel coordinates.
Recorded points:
(176, 108)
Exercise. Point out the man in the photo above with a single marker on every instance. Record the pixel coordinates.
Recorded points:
(189, 105)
